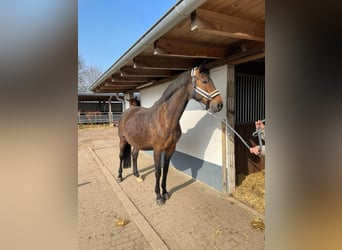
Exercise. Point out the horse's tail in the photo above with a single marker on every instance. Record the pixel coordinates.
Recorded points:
(127, 156)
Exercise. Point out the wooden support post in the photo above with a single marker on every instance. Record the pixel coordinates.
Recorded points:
(110, 114)
(224, 156)
(231, 121)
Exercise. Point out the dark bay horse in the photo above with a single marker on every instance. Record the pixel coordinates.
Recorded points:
(157, 128)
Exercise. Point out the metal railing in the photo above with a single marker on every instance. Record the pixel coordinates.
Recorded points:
(249, 98)
(98, 117)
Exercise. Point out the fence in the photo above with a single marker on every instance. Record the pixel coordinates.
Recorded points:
(98, 117)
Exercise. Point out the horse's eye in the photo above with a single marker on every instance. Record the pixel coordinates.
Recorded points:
(205, 81)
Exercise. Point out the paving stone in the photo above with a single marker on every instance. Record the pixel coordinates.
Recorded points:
(98, 205)
(195, 217)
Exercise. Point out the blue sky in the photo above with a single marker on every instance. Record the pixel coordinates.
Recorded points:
(107, 29)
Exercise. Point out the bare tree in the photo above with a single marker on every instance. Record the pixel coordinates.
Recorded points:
(81, 79)
(87, 75)
(91, 74)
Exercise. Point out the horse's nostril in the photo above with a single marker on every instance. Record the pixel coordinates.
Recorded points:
(216, 107)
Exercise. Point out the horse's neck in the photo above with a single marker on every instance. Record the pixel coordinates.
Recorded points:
(175, 105)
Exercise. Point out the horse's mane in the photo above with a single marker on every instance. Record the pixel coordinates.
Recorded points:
(175, 85)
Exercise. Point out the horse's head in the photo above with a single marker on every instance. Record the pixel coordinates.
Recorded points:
(133, 102)
(205, 90)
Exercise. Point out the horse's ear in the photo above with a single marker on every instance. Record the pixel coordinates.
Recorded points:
(202, 66)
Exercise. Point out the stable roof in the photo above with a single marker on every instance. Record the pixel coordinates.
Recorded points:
(217, 31)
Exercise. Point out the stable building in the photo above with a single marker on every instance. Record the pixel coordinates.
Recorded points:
(95, 108)
(230, 37)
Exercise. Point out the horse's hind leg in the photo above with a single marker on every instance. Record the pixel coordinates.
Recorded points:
(124, 150)
(119, 178)
(167, 156)
(135, 153)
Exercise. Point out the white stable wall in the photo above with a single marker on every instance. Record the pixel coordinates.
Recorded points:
(150, 95)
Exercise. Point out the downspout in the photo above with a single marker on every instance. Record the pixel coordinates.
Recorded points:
(110, 114)
(176, 14)
(121, 100)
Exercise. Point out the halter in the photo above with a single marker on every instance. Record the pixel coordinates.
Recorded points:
(198, 90)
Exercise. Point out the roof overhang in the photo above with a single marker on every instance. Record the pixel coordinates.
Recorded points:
(217, 31)
(89, 96)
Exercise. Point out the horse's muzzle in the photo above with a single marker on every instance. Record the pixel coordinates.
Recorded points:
(215, 106)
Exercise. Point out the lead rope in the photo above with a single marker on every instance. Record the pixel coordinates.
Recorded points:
(210, 96)
(258, 132)
(232, 129)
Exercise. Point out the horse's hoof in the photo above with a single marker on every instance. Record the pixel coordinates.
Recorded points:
(139, 179)
(160, 201)
(119, 179)
(166, 196)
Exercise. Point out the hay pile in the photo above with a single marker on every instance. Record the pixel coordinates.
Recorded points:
(251, 190)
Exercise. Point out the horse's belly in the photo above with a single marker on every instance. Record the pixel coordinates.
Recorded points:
(141, 146)
(147, 141)
(139, 139)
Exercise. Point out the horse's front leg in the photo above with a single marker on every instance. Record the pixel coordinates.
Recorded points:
(167, 156)
(157, 170)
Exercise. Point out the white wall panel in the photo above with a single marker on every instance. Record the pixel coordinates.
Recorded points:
(150, 95)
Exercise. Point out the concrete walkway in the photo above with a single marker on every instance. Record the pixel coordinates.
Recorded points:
(195, 217)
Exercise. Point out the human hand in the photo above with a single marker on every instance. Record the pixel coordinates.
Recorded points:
(255, 150)
(259, 124)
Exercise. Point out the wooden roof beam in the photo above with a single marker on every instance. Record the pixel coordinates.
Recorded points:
(116, 88)
(237, 58)
(119, 79)
(210, 22)
(134, 72)
(247, 58)
(127, 84)
(157, 62)
(170, 47)
(100, 90)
